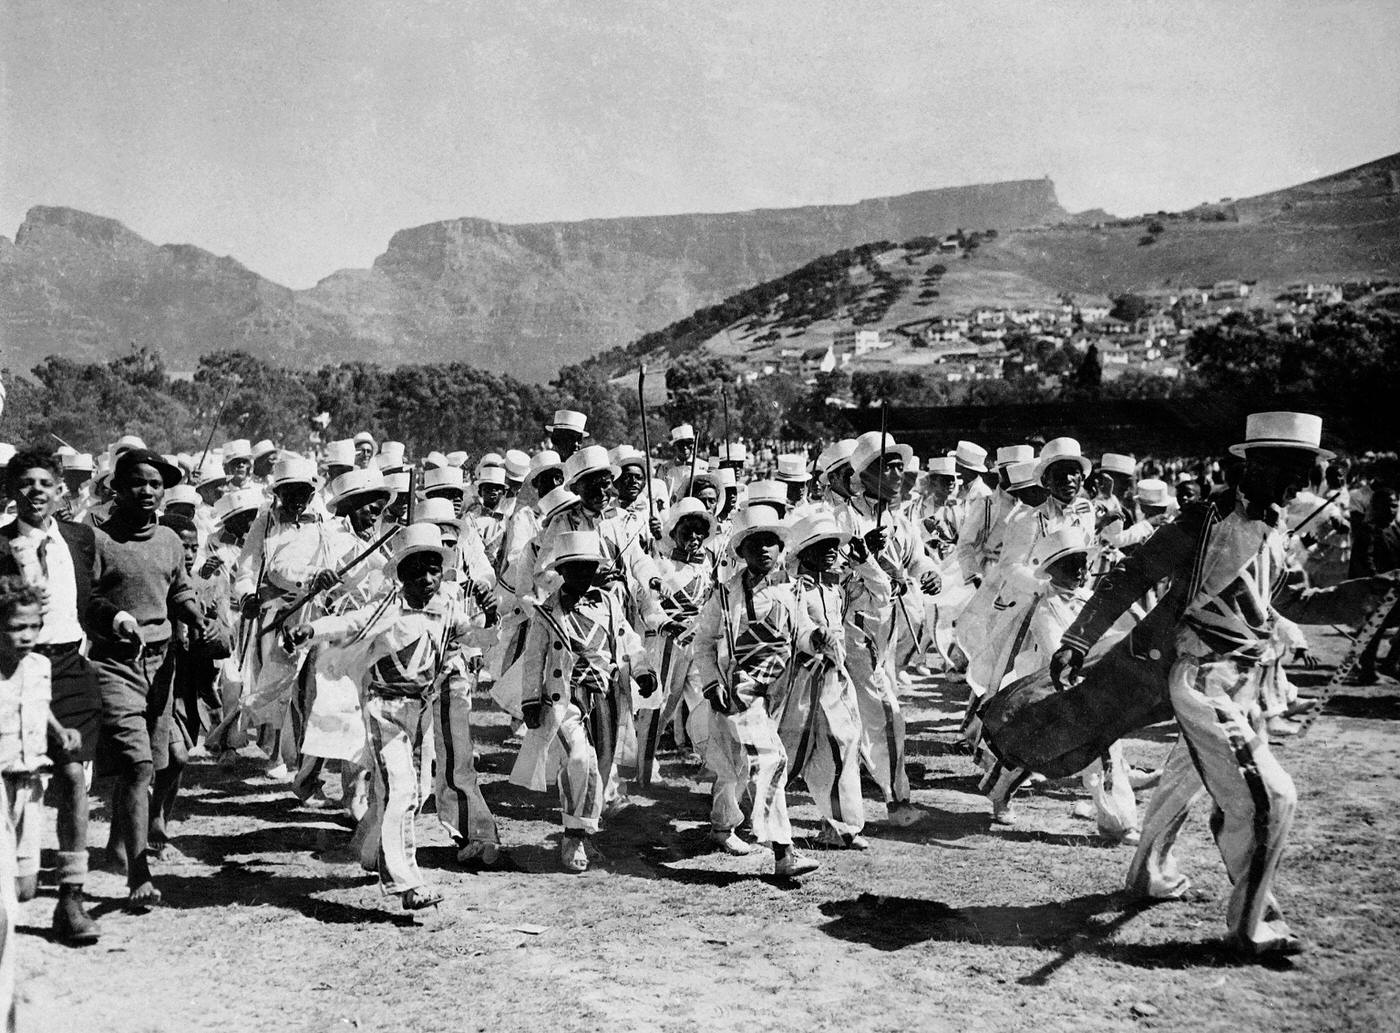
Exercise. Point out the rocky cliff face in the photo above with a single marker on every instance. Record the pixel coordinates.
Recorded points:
(524, 298)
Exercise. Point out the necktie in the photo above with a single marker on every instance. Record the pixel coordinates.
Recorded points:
(43, 552)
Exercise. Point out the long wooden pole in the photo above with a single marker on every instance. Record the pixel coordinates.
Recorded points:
(646, 436)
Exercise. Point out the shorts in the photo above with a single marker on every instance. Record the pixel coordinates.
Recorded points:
(135, 698)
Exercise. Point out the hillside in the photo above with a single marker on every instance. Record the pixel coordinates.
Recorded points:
(1344, 227)
(520, 298)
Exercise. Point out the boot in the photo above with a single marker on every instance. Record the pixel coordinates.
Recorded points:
(71, 922)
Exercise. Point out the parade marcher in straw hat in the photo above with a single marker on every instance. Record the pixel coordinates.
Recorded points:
(237, 458)
(938, 514)
(817, 711)
(139, 582)
(579, 659)
(977, 503)
(59, 559)
(631, 508)
(289, 551)
(1241, 580)
(78, 471)
(213, 582)
(793, 474)
(687, 576)
(461, 808)
(1028, 637)
(408, 636)
(834, 468)
(743, 645)
(265, 454)
(873, 647)
(486, 517)
(675, 468)
(365, 449)
(567, 431)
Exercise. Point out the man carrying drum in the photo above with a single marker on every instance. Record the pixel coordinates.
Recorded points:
(1241, 585)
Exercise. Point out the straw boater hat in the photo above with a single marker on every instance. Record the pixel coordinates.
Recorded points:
(182, 494)
(626, 455)
(357, 488)
(868, 449)
(1008, 454)
(410, 541)
(1116, 462)
(575, 547)
(1283, 430)
(568, 419)
(815, 527)
(942, 466)
(558, 500)
(126, 443)
(753, 520)
(586, 461)
(971, 456)
(293, 469)
(444, 481)
(244, 500)
(689, 508)
(542, 462)
(517, 464)
(437, 511)
(1022, 475)
(792, 469)
(238, 448)
(262, 448)
(684, 432)
(364, 438)
(1153, 492)
(79, 462)
(390, 456)
(210, 474)
(434, 460)
(1056, 546)
(766, 493)
(457, 459)
(1058, 450)
(733, 452)
(835, 454)
(397, 482)
(64, 451)
(725, 478)
(341, 453)
(170, 474)
(490, 459)
(491, 475)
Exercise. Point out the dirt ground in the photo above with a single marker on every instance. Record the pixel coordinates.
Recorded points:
(947, 925)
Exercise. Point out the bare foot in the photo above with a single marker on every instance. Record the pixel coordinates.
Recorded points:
(141, 897)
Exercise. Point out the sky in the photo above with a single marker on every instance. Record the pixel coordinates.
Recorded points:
(299, 135)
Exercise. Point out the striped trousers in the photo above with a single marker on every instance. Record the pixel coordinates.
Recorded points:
(460, 806)
(881, 720)
(819, 723)
(386, 836)
(746, 754)
(574, 759)
(1221, 751)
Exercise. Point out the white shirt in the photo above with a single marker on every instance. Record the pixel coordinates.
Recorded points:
(61, 625)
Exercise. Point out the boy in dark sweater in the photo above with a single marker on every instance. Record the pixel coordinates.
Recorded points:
(140, 581)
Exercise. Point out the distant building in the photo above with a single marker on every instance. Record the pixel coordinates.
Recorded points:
(859, 342)
(819, 360)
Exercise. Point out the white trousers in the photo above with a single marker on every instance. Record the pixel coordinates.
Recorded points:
(1221, 751)
(881, 721)
(573, 762)
(820, 727)
(387, 839)
(746, 754)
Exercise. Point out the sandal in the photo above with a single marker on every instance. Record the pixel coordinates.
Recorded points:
(419, 898)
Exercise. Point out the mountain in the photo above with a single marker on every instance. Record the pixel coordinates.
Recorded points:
(1341, 228)
(520, 298)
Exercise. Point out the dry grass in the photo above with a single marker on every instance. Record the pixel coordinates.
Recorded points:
(948, 925)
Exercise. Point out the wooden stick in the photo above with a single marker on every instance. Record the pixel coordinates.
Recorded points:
(646, 436)
(339, 576)
(884, 443)
(1372, 627)
(218, 416)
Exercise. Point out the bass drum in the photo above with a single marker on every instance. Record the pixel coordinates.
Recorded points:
(1031, 724)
